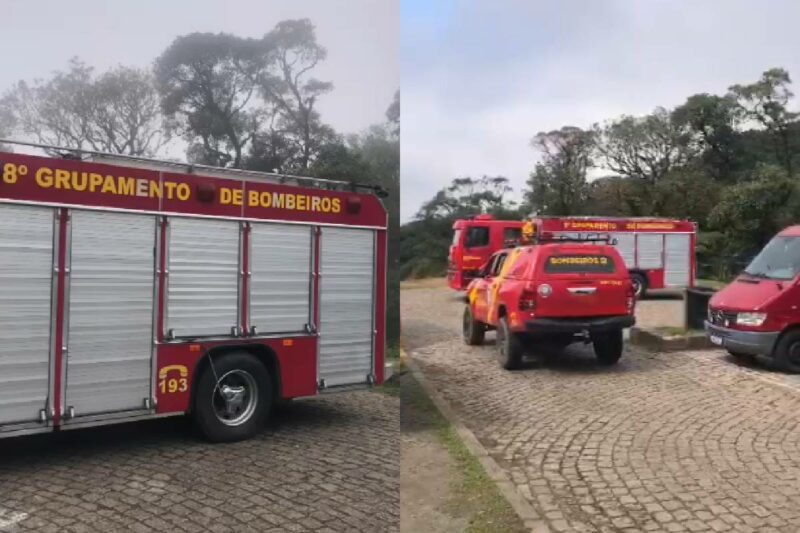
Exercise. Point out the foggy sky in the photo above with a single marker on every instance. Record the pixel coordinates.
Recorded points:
(361, 36)
(479, 79)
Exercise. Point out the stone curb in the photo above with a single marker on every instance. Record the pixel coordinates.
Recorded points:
(654, 340)
(530, 518)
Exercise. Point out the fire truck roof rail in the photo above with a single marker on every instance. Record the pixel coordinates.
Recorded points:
(191, 168)
(586, 217)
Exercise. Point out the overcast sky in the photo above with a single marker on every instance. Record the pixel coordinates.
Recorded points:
(361, 36)
(480, 78)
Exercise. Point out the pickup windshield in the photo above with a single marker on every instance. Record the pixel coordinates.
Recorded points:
(780, 259)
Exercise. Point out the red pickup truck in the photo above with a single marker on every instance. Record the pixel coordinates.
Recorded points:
(555, 293)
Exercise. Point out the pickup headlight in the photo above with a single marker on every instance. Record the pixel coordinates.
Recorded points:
(751, 319)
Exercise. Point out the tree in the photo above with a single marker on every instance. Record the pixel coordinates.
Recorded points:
(467, 196)
(712, 120)
(558, 185)
(751, 212)
(393, 115)
(766, 102)
(208, 82)
(293, 52)
(645, 148)
(117, 112)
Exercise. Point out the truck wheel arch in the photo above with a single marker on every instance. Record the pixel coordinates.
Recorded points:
(264, 354)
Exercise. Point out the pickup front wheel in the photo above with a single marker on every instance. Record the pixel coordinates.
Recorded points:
(608, 347)
(474, 331)
(509, 346)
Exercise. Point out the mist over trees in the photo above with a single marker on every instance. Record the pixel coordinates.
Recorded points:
(727, 161)
(234, 102)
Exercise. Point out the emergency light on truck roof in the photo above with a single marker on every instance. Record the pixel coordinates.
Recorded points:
(80, 154)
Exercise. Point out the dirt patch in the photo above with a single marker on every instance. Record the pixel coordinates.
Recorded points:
(443, 487)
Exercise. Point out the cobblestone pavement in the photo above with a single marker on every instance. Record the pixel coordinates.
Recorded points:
(324, 464)
(662, 442)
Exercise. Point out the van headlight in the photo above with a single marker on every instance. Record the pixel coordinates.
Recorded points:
(751, 319)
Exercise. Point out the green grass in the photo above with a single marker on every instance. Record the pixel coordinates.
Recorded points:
(474, 494)
(713, 283)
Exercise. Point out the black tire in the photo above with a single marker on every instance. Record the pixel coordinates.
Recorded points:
(245, 379)
(639, 282)
(787, 351)
(608, 347)
(473, 331)
(509, 346)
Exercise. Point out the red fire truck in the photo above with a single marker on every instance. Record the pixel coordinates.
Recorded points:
(133, 288)
(659, 253)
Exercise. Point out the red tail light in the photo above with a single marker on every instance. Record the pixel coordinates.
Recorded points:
(630, 302)
(527, 300)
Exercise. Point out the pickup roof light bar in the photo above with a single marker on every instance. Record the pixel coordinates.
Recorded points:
(190, 168)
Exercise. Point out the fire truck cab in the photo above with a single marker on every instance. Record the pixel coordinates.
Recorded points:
(133, 288)
(474, 240)
(554, 292)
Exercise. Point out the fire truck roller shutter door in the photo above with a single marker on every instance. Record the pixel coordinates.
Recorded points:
(110, 314)
(280, 283)
(26, 274)
(203, 280)
(626, 246)
(347, 300)
(648, 250)
(678, 263)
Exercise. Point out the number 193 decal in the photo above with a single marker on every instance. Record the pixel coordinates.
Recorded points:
(171, 384)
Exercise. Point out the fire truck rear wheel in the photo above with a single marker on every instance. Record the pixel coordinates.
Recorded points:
(233, 399)
(474, 331)
(639, 285)
(608, 347)
(509, 346)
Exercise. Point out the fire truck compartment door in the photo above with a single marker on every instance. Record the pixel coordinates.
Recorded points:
(347, 299)
(649, 247)
(626, 246)
(26, 274)
(280, 281)
(678, 261)
(110, 316)
(203, 281)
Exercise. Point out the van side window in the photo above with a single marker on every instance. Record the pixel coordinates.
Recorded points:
(477, 236)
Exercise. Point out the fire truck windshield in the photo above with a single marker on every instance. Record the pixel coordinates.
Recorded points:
(456, 237)
(780, 259)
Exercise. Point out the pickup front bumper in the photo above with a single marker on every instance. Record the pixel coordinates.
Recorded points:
(745, 342)
(578, 325)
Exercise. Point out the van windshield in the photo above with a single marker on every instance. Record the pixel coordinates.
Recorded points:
(780, 259)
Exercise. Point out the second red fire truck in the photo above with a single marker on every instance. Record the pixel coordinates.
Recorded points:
(132, 289)
(658, 253)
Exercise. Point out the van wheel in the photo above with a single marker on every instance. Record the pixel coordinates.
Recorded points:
(233, 400)
(608, 347)
(509, 346)
(474, 331)
(787, 351)
(639, 283)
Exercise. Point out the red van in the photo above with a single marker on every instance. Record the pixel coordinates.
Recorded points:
(759, 313)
